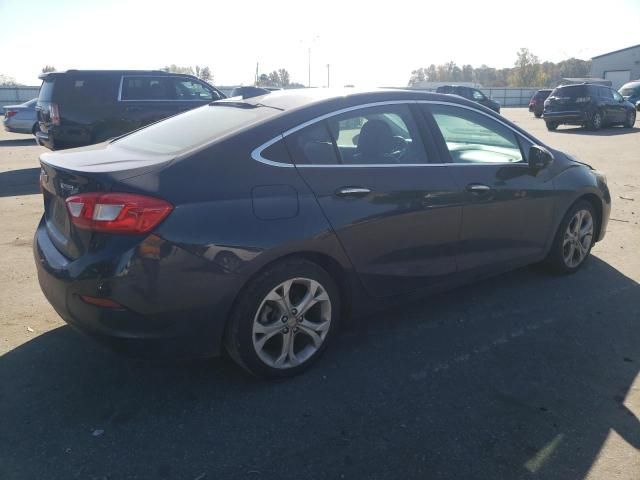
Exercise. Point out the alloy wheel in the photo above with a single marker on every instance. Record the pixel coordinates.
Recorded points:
(577, 238)
(291, 323)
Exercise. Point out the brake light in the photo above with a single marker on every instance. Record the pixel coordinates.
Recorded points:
(120, 213)
(10, 113)
(54, 113)
(583, 99)
(100, 302)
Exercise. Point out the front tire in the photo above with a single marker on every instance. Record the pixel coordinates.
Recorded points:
(284, 319)
(537, 115)
(631, 119)
(551, 126)
(574, 238)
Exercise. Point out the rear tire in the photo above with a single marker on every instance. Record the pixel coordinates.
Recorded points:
(596, 121)
(551, 126)
(273, 331)
(574, 239)
(631, 119)
(537, 115)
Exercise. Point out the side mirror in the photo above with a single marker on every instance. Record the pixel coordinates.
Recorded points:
(539, 157)
(355, 139)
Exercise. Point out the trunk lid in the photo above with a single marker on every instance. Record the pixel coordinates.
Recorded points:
(97, 168)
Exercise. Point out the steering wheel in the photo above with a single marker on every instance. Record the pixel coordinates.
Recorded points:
(400, 148)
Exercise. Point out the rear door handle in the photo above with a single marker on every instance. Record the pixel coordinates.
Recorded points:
(353, 192)
(478, 188)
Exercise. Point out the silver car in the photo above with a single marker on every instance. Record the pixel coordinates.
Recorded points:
(21, 118)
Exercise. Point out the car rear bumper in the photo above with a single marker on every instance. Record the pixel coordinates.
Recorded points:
(45, 140)
(10, 126)
(154, 327)
(574, 116)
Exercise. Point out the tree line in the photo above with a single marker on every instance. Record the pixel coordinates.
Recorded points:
(527, 71)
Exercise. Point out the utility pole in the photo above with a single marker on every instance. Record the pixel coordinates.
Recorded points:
(328, 75)
(255, 84)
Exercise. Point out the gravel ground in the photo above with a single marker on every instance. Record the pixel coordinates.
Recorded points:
(525, 376)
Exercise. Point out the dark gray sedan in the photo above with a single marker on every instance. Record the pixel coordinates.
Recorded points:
(21, 118)
(257, 225)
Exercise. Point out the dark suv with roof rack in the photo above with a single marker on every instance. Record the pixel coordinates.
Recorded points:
(83, 107)
(592, 106)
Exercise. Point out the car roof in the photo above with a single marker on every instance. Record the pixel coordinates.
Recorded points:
(43, 76)
(299, 98)
(632, 83)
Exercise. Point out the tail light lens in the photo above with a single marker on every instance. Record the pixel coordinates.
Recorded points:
(54, 113)
(10, 113)
(583, 99)
(120, 213)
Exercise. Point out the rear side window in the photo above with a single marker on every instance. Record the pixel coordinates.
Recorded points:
(384, 135)
(148, 88)
(472, 137)
(276, 152)
(86, 90)
(605, 93)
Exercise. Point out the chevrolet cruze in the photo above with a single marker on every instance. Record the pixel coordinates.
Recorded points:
(257, 225)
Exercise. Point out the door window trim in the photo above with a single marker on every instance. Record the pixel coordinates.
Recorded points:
(170, 77)
(256, 153)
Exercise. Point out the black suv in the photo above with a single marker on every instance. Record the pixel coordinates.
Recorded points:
(83, 107)
(592, 106)
(472, 94)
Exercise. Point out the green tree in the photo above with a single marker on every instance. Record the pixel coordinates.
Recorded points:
(7, 81)
(173, 68)
(417, 76)
(285, 79)
(527, 71)
(48, 68)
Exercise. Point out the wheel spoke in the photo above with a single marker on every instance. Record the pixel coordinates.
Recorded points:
(316, 326)
(267, 329)
(262, 340)
(317, 340)
(293, 359)
(315, 294)
(284, 351)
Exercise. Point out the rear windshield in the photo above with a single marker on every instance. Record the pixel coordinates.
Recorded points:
(627, 91)
(571, 91)
(543, 94)
(194, 128)
(46, 90)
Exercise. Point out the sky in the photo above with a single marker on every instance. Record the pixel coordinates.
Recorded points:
(366, 44)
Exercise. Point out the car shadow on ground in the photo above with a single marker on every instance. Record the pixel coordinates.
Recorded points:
(19, 142)
(603, 132)
(25, 181)
(521, 376)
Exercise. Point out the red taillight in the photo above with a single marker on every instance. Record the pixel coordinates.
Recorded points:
(100, 302)
(123, 213)
(54, 113)
(10, 113)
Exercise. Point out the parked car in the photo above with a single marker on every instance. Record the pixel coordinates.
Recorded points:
(21, 118)
(536, 104)
(631, 93)
(472, 94)
(197, 234)
(82, 107)
(592, 106)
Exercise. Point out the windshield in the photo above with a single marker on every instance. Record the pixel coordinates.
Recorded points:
(193, 128)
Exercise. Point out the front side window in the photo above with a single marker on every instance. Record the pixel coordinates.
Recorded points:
(605, 93)
(478, 95)
(147, 88)
(472, 137)
(616, 96)
(187, 89)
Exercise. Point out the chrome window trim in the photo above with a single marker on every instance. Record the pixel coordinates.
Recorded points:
(122, 77)
(256, 154)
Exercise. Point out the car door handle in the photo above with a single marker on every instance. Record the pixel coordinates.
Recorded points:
(353, 192)
(478, 188)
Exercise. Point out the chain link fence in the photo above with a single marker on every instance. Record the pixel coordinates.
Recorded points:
(16, 95)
